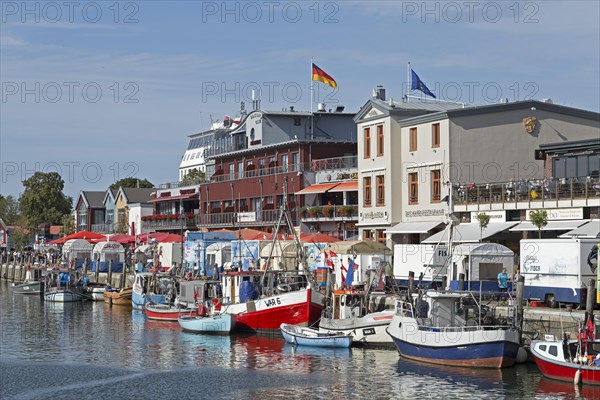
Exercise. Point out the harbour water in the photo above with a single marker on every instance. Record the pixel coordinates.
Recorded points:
(90, 350)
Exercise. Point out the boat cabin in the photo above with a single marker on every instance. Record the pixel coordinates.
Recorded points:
(243, 286)
(198, 291)
(569, 352)
(353, 304)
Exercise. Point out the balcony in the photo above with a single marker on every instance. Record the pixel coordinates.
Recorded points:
(103, 228)
(253, 172)
(329, 213)
(337, 163)
(168, 222)
(244, 219)
(547, 193)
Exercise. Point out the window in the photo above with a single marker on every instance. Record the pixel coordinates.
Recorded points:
(82, 219)
(296, 161)
(436, 186)
(379, 140)
(297, 121)
(413, 139)
(380, 235)
(232, 171)
(367, 191)
(284, 163)
(553, 350)
(261, 165)
(272, 165)
(413, 188)
(367, 143)
(435, 135)
(240, 170)
(380, 190)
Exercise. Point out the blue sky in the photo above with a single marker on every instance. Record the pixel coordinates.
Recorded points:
(102, 90)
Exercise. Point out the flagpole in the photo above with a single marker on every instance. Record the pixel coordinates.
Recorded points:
(408, 84)
(311, 98)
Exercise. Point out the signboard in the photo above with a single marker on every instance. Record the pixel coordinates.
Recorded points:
(314, 255)
(246, 216)
(495, 216)
(558, 214)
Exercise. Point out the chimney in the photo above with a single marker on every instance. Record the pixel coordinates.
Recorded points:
(380, 92)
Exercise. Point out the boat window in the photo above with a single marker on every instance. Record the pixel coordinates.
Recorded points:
(542, 347)
(553, 350)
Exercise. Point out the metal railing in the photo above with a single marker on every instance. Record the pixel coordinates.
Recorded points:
(335, 163)
(538, 190)
(230, 219)
(256, 172)
(174, 223)
(326, 212)
(103, 228)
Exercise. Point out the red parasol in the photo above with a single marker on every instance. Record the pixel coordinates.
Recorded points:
(87, 235)
(317, 238)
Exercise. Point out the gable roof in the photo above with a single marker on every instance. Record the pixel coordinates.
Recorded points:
(91, 199)
(136, 195)
(110, 193)
(401, 110)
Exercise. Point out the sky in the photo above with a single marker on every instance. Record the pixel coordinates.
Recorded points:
(104, 90)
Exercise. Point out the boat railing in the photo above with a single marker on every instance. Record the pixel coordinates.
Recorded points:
(424, 324)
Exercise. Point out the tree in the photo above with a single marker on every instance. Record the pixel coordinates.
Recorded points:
(9, 210)
(539, 218)
(132, 183)
(484, 221)
(193, 177)
(43, 200)
(68, 225)
(20, 239)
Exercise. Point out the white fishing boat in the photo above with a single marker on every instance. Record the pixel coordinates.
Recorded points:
(303, 336)
(32, 284)
(59, 287)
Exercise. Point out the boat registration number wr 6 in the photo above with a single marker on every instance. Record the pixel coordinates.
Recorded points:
(273, 302)
(369, 331)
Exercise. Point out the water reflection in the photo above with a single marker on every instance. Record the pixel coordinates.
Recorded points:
(548, 387)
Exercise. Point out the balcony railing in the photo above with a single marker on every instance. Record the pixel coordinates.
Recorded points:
(103, 228)
(171, 224)
(547, 190)
(333, 212)
(256, 171)
(231, 219)
(335, 163)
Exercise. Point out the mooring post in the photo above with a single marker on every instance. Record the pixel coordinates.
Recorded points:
(520, 310)
(96, 264)
(110, 272)
(461, 282)
(85, 261)
(411, 280)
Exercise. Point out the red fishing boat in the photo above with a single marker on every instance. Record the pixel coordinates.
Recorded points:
(576, 361)
(167, 312)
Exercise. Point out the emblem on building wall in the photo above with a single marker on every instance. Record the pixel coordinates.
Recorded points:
(529, 124)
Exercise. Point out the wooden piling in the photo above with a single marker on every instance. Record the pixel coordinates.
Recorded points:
(520, 309)
(109, 272)
(97, 278)
(591, 297)
(461, 282)
(85, 261)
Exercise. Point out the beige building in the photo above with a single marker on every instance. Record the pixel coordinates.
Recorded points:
(489, 154)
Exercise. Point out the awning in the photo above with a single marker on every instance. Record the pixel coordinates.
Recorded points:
(589, 230)
(469, 233)
(552, 226)
(317, 188)
(178, 197)
(345, 187)
(413, 227)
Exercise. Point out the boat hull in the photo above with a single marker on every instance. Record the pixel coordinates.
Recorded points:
(370, 329)
(564, 371)
(314, 338)
(220, 323)
(164, 312)
(487, 348)
(120, 298)
(302, 307)
(63, 296)
(27, 288)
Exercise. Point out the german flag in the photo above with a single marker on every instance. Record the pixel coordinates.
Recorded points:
(319, 75)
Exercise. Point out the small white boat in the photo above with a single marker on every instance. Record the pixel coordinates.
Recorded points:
(63, 296)
(34, 287)
(219, 323)
(300, 335)
(95, 290)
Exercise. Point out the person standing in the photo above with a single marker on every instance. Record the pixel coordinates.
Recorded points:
(503, 282)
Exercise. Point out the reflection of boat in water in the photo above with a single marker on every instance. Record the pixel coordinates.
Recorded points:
(484, 378)
(549, 387)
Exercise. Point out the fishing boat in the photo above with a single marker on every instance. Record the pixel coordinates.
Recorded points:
(218, 323)
(151, 287)
(59, 287)
(32, 284)
(263, 300)
(454, 329)
(120, 297)
(94, 290)
(166, 312)
(362, 314)
(570, 360)
(303, 336)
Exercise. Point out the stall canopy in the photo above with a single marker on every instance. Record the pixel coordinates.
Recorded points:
(413, 227)
(345, 187)
(318, 188)
(359, 247)
(87, 235)
(469, 233)
(590, 230)
(551, 226)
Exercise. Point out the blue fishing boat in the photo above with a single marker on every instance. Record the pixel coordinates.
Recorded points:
(452, 329)
(300, 335)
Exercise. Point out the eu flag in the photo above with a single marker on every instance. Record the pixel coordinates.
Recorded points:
(417, 84)
(350, 275)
